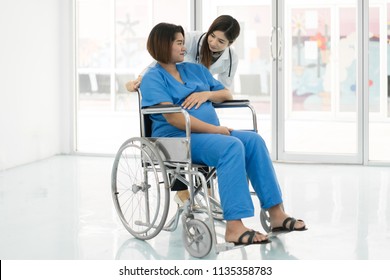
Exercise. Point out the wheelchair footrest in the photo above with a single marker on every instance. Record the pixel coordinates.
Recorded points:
(221, 247)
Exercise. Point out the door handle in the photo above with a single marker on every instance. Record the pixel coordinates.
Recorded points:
(271, 43)
(279, 46)
(280, 42)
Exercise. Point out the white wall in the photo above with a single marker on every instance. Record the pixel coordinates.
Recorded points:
(35, 80)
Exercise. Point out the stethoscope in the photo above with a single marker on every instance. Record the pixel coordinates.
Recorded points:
(197, 55)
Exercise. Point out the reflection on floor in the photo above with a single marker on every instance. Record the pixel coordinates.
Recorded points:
(61, 208)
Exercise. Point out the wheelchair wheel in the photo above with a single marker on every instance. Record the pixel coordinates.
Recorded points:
(197, 238)
(265, 220)
(140, 188)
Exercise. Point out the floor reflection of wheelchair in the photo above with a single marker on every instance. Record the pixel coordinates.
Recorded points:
(144, 170)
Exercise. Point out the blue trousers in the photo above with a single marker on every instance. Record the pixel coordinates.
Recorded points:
(237, 157)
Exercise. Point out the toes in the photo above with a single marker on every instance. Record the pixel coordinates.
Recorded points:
(299, 224)
(260, 237)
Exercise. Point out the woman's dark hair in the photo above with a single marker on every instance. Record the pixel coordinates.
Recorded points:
(231, 29)
(160, 41)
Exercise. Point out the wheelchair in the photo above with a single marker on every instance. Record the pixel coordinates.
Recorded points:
(145, 169)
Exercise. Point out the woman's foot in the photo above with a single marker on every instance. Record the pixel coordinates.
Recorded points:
(289, 224)
(238, 234)
(281, 221)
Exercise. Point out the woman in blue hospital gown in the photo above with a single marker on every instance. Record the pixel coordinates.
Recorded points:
(213, 50)
(237, 155)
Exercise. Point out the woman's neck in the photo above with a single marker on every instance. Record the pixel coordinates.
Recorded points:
(172, 69)
(169, 67)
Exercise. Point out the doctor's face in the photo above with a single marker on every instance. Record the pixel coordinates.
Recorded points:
(178, 49)
(217, 41)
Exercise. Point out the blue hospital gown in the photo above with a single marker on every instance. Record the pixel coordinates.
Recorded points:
(160, 87)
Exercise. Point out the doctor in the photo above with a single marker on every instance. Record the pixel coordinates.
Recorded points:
(212, 49)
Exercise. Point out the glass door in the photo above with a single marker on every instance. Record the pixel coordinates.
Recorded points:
(379, 81)
(319, 117)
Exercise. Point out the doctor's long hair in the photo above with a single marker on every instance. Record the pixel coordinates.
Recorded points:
(226, 24)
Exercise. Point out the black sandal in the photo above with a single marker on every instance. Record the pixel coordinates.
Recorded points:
(291, 227)
(251, 234)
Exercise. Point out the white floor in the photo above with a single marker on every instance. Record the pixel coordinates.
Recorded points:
(61, 208)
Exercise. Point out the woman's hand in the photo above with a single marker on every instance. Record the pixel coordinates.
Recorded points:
(224, 130)
(196, 99)
(134, 85)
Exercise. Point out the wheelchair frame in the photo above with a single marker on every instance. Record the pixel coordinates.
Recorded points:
(144, 170)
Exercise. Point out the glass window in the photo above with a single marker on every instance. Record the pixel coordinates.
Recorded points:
(111, 50)
(318, 61)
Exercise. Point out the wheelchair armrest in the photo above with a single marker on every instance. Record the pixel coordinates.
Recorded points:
(232, 103)
(169, 109)
(239, 103)
(161, 109)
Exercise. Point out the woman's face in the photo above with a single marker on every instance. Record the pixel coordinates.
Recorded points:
(217, 41)
(178, 49)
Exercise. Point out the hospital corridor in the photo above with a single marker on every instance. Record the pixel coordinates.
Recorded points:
(140, 134)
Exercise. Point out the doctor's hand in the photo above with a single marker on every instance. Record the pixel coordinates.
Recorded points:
(196, 99)
(134, 85)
